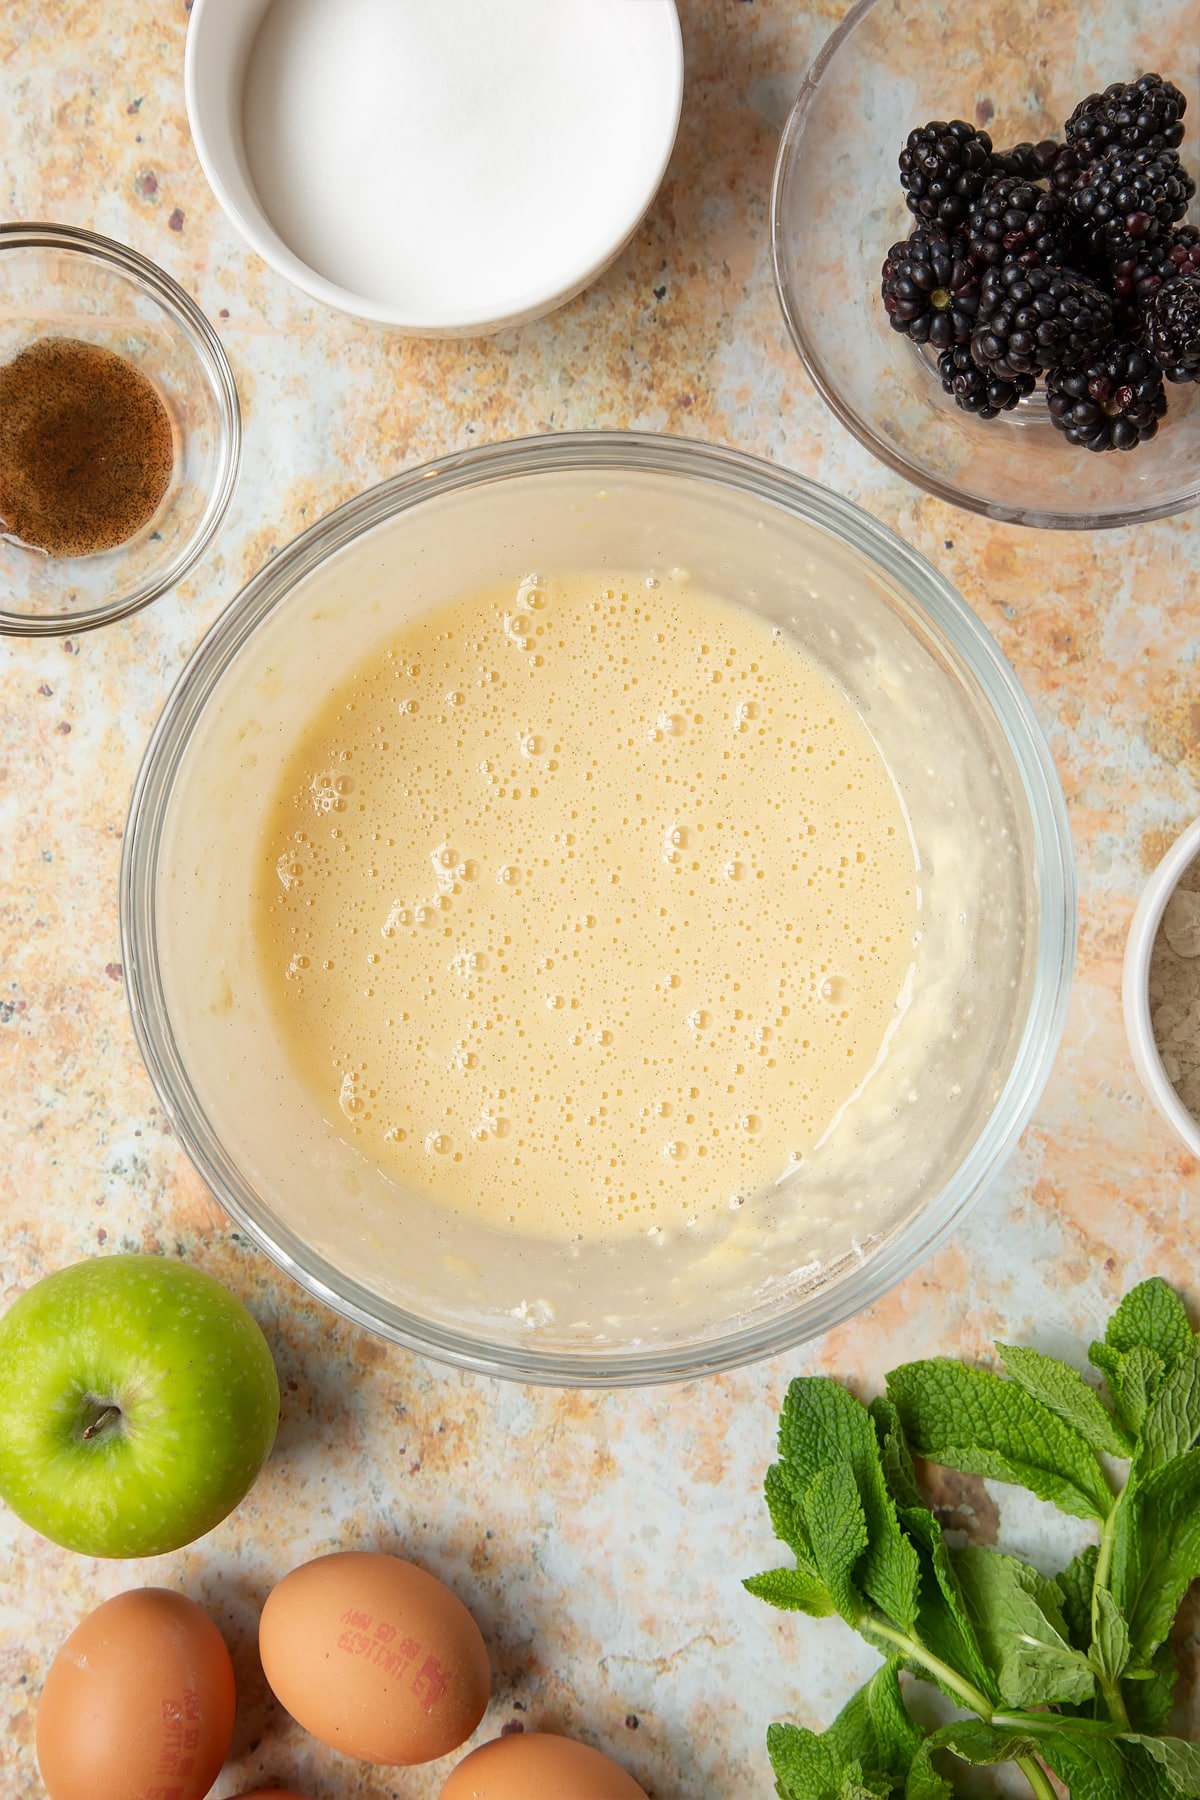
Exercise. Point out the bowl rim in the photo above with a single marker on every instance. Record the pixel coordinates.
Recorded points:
(785, 160)
(185, 314)
(535, 303)
(1135, 986)
(943, 609)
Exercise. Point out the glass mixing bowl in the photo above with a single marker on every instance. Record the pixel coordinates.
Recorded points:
(837, 207)
(970, 1054)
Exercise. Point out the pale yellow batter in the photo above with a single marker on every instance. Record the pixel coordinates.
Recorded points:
(587, 904)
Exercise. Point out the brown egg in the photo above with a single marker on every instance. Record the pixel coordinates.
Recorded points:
(138, 1702)
(271, 1794)
(533, 1765)
(375, 1657)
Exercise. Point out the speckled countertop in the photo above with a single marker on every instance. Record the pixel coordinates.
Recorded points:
(598, 1539)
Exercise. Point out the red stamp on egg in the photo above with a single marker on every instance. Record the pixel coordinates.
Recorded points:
(378, 1642)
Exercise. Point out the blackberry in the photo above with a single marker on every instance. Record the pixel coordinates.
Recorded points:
(1173, 328)
(942, 169)
(1014, 217)
(1067, 170)
(1030, 318)
(1137, 277)
(930, 289)
(1129, 115)
(1110, 402)
(1182, 250)
(1033, 161)
(1130, 197)
(977, 390)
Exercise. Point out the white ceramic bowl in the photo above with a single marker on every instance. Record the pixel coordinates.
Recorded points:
(1135, 986)
(220, 43)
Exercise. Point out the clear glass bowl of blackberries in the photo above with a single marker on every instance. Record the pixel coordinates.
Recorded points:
(987, 247)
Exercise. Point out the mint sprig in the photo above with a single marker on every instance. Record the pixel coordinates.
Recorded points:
(1073, 1675)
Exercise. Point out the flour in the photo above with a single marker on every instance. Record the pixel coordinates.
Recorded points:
(451, 157)
(1175, 989)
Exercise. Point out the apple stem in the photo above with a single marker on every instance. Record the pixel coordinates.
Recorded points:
(101, 1422)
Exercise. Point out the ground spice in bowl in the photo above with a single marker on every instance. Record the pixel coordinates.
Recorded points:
(86, 448)
(1175, 989)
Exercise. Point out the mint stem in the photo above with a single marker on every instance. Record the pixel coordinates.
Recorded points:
(1114, 1700)
(1110, 1689)
(1047, 1724)
(971, 1697)
(1037, 1777)
(1108, 1539)
(912, 1648)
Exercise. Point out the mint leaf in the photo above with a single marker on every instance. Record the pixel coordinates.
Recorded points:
(1149, 1690)
(1110, 1646)
(1172, 1422)
(875, 1728)
(987, 1628)
(1020, 1629)
(792, 1590)
(898, 1469)
(971, 1741)
(1156, 1553)
(1101, 1768)
(943, 1621)
(974, 1742)
(808, 1767)
(890, 1570)
(1151, 1316)
(1180, 1760)
(866, 1752)
(1133, 1376)
(1075, 1584)
(805, 1591)
(897, 1735)
(834, 1516)
(822, 1424)
(1148, 1337)
(924, 1782)
(972, 1420)
(787, 1520)
(1066, 1394)
(1098, 1761)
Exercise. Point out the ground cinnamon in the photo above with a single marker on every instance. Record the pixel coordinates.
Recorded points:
(86, 448)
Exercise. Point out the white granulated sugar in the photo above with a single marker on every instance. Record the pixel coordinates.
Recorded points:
(449, 156)
(1175, 989)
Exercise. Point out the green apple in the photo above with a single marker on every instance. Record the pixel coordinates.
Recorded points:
(138, 1401)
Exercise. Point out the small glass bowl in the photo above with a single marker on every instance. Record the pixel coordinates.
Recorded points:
(837, 207)
(56, 281)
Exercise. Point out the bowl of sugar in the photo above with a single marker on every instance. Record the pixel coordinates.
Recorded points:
(446, 169)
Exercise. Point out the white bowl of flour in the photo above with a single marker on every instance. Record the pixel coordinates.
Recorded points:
(447, 167)
(1161, 987)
